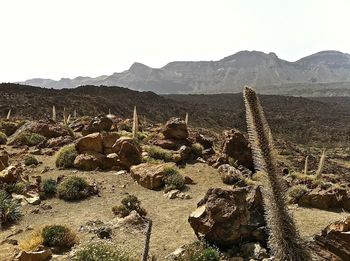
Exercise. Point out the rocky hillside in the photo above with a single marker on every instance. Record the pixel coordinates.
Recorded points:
(301, 120)
(309, 76)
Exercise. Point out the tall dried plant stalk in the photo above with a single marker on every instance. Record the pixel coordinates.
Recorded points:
(186, 118)
(8, 115)
(75, 114)
(135, 123)
(306, 164)
(321, 163)
(284, 240)
(54, 113)
(147, 241)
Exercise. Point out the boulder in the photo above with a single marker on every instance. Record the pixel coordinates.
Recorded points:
(4, 159)
(108, 140)
(175, 128)
(325, 198)
(91, 160)
(334, 241)
(11, 174)
(48, 129)
(150, 175)
(196, 137)
(170, 144)
(128, 150)
(237, 147)
(98, 124)
(91, 142)
(227, 217)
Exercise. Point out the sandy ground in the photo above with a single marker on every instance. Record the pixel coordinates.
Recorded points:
(170, 226)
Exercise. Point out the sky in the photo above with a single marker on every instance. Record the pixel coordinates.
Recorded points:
(70, 38)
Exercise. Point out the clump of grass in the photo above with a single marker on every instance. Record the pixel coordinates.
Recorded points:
(58, 236)
(17, 188)
(159, 153)
(31, 160)
(173, 179)
(65, 156)
(8, 127)
(197, 149)
(296, 192)
(3, 138)
(101, 252)
(29, 139)
(73, 188)
(49, 187)
(32, 242)
(302, 177)
(199, 252)
(9, 209)
(139, 135)
(120, 211)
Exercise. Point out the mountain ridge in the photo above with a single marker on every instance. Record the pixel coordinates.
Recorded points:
(258, 69)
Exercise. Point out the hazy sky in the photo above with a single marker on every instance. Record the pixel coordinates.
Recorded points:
(69, 38)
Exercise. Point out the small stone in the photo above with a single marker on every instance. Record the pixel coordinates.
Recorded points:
(121, 172)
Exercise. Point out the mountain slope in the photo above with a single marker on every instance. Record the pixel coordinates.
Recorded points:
(266, 72)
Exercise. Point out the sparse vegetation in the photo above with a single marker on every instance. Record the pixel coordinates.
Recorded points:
(29, 139)
(17, 188)
(199, 252)
(73, 188)
(129, 203)
(9, 209)
(197, 149)
(65, 156)
(49, 187)
(101, 251)
(3, 138)
(173, 179)
(296, 192)
(120, 211)
(159, 153)
(30, 160)
(58, 236)
(8, 127)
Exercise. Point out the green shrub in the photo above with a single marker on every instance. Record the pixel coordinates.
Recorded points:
(73, 188)
(17, 188)
(159, 153)
(65, 156)
(197, 149)
(3, 138)
(131, 202)
(29, 139)
(58, 236)
(9, 209)
(199, 252)
(101, 252)
(121, 211)
(8, 127)
(173, 179)
(296, 192)
(49, 187)
(31, 160)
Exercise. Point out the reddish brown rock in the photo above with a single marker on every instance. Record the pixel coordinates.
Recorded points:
(150, 175)
(58, 142)
(108, 140)
(128, 150)
(237, 147)
(226, 217)
(4, 159)
(98, 124)
(48, 129)
(91, 160)
(91, 142)
(170, 144)
(11, 174)
(175, 128)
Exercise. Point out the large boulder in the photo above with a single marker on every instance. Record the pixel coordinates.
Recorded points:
(150, 175)
(91, 142)
(326, 199)
(334, 241)
(228, 217)
(128, 150)
(98, 124)
(175, 128)
(48, 129)
(91, 160)
(170, 144)
(4, 159)
(237, 147)
(108, 140)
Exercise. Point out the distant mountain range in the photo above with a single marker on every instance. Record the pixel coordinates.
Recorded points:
(325, 73)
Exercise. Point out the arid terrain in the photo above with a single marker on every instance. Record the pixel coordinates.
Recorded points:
(76, 171)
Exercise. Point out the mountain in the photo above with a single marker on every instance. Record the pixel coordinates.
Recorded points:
(269, 74)
(302, 120)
